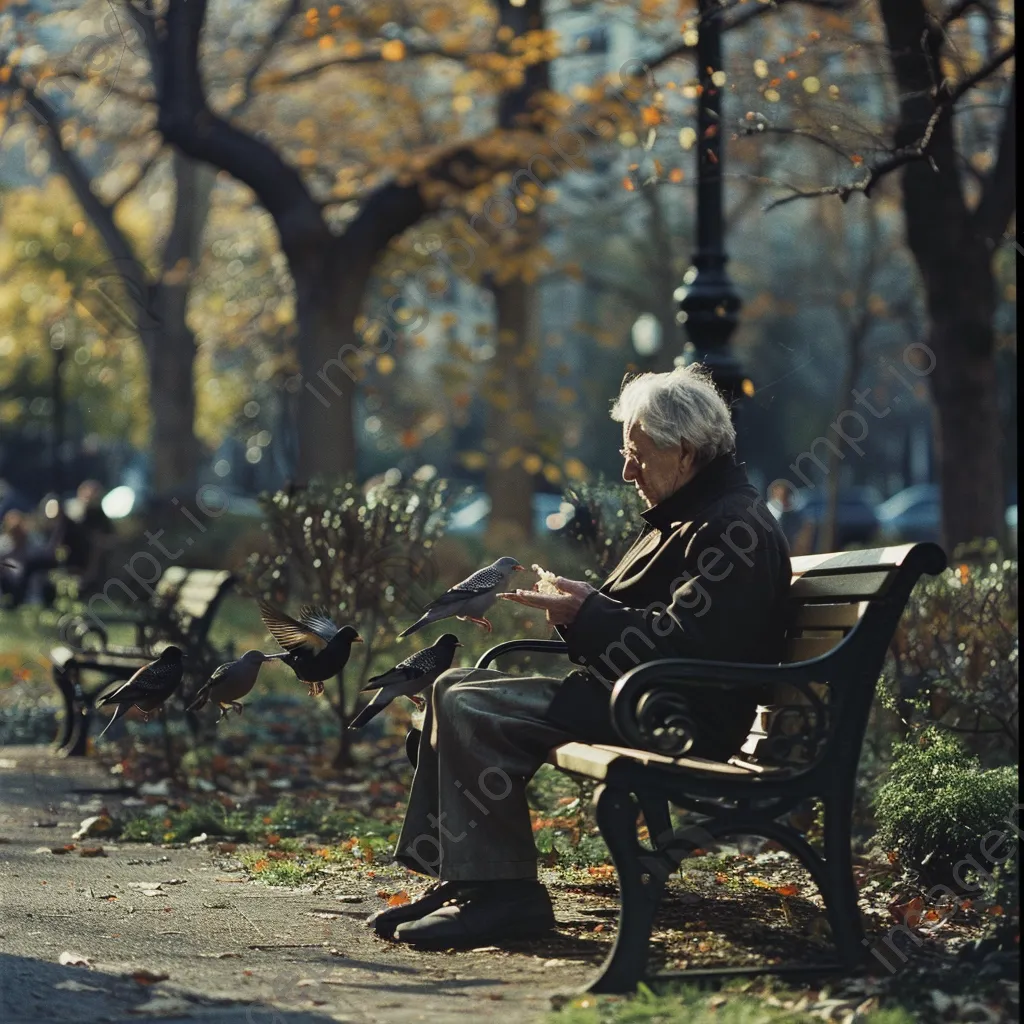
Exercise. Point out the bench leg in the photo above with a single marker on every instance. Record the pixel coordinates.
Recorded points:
(639, 896)
(657, 819)
(841, 890)
(67, 681)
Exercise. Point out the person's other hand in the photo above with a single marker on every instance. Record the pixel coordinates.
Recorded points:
(561, 608)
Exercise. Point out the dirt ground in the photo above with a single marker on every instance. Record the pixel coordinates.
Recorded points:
(232, 950)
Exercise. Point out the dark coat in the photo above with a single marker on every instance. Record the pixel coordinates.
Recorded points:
(708, 578)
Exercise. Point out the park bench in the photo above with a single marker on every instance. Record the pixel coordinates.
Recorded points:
(180, 612)
(805, 744)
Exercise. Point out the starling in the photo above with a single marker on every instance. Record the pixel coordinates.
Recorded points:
(408, 677)
(148, 688)
(230, 683)
(470, 598)
(316, 647)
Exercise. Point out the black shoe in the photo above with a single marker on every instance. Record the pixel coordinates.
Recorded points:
(384, 922)
(483, 914)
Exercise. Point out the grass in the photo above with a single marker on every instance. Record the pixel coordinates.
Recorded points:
(691, 1005)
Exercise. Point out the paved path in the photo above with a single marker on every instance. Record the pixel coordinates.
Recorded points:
(319, 963)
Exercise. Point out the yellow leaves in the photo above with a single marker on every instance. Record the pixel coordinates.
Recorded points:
(352, 48)
(603, 871)
(385, 364)
(759, 882)
(676, 175)
(462, 104)
(651, 116)
(552, 474)
(326, 42)
(473, 460)
(812, 85)
(687, 137)
(691, 37)
(772, 95)
(575, 470)
(627, 184)
(748, 387)
(393, 50)
(5, 74)
(792, 74)
(532, 463)
(306, 157)
(761, 68)
(78, 228)
(507, 459)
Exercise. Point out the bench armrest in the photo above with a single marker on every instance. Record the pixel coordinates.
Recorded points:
(539, 646)
(649, 707)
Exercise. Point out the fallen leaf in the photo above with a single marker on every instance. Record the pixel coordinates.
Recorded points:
(721, 879)
(92, 851)
(68, 959)
(227, 847)
(787, 890)
(908, 913)
(144, 976)
(399, 899)
(62, 849)
(759, 882)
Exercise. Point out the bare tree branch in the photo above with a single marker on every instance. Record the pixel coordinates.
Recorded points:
(946, 97)
(273, 38)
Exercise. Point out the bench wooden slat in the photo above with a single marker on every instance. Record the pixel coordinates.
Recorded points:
(852, 586)
(594, 760)
(803, 648)
(828, 616)
(890, 557)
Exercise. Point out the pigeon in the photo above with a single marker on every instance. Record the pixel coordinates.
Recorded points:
(315, 647)
(470, 598)
(408, 677)
(148, 688)
(230, 682)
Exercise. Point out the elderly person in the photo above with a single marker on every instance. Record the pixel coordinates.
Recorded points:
(707, 578)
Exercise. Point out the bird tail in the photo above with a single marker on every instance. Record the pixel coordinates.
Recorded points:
(118, 711)
(202, 697)
(370, 711)
(423, 620)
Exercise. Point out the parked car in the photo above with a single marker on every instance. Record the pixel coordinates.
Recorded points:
(913, 514)
(856, 522)
(469, 513)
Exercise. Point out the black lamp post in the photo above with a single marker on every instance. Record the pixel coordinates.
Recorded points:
(710, 306)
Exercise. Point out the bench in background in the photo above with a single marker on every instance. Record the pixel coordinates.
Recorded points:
(181, 612)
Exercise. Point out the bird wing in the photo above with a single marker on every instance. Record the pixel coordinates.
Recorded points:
(420, 664)
(483, 581)
(289, 633)
(319, 620)
(149, 681)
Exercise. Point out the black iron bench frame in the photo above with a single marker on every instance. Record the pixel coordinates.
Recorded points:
(179, 615)
(809, 748)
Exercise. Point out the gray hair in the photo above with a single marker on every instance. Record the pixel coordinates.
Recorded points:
(681, 405)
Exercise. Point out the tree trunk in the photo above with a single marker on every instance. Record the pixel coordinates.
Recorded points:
(327, 302)
(950, 244)
(170, 344)
(511, 424)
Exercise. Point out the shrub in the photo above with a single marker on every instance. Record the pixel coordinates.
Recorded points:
(367, 555)
(937, 804)
(953, 659)
(606, 523)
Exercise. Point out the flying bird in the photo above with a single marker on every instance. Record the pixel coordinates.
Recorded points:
(316, 647)
(230, 683)
(469, 599)
(148, 688)
(408, 677)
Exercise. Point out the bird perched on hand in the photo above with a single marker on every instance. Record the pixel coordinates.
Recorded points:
(230, 682)
(316, 647)
(408, 677)
(469, 599)
(148, 688)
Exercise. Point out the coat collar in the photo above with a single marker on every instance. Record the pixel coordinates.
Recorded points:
(720, 475)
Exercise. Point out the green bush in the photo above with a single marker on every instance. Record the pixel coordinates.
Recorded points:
(937, 803)
(606, 523)
(954, 658)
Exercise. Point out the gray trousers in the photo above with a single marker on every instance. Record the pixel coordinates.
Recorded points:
(484, 737)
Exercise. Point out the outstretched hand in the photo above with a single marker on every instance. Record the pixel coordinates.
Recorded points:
(561, 608)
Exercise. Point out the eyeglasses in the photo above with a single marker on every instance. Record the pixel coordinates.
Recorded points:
(628, 454)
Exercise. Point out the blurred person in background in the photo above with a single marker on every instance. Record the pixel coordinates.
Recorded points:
(798, 529)
(86, 534)
(25, 559)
